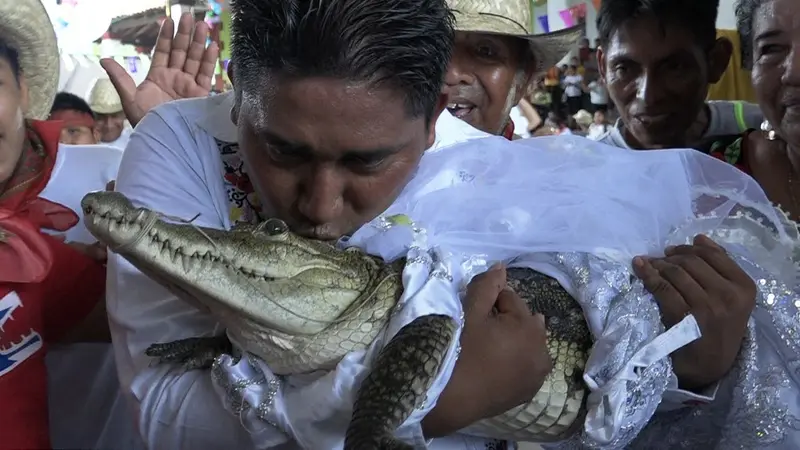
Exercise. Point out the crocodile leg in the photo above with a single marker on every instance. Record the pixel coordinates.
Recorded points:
(401, 375)
(192, 353)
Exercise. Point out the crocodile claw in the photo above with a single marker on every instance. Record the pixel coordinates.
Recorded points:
(191, 353)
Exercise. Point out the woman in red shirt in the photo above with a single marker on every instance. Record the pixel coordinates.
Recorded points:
(46, 287)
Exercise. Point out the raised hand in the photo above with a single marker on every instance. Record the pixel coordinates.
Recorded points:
(181, 67)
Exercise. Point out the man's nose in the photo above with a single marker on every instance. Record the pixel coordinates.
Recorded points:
(650, 89)
(459, 71)
(321, 196)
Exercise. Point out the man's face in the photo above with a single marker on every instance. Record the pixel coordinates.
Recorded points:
(110, 126)
(573, 62)
(486, 78)
(657, 76)
(327, 156)
(13, 105)
(584, 43)
(78, 135)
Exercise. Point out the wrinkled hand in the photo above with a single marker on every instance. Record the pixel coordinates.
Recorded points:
(703, 280)
(503, 362)
(180, 68)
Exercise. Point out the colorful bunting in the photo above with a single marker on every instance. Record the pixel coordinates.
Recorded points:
(596, 4)
(545, 23)
(566, 16)
(132, 62)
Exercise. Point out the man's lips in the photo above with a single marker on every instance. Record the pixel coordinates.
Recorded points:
(652, 119)
(460, 109)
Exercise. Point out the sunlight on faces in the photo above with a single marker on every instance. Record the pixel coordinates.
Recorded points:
(327, 156)
(658, 76)
(776, 66)
(486, 78)
(13, 105)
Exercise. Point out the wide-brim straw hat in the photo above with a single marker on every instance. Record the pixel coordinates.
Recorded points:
(26, 27)
(515, 18)
(583, 117)
(104, 98)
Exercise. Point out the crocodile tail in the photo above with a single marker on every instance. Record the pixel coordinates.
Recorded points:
(398, 382)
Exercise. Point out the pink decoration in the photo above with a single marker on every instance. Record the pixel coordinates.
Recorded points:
(566, 16)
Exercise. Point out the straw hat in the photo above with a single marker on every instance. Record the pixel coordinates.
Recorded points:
(583, 117)
(514, 18)
(104, 98)
(25, 26)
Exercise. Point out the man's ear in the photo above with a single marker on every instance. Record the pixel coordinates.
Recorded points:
(441, 104)
(24, 95)
(601, 62)
(230, 73)
(527, 81)
(718, 59)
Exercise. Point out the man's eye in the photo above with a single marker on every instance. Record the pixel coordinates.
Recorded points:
(364, 163)
(281, 154)
(485, 51)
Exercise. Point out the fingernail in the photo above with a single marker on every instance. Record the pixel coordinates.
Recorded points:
(638, 261)
(669, 249)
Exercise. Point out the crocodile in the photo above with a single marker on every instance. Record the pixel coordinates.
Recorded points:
(301, 305)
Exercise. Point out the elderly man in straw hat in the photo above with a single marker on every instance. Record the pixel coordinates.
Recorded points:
(495, 59)
(110, 118)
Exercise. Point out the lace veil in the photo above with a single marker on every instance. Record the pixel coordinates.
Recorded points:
(579, 211)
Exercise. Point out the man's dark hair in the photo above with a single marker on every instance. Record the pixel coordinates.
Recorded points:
(65, 101)
(745, 10)
(11, 56)
(402, 44)
(698, 17)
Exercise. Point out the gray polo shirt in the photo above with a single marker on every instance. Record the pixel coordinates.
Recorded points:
(725, 119)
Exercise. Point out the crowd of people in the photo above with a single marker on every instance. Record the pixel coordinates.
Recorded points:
(329, 117)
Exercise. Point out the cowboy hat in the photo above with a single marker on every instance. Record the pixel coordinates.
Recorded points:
(26, 27)
(514, 18)
(104, 98)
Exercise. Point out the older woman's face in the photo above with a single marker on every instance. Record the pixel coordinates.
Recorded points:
(776, 65)
(13, 105)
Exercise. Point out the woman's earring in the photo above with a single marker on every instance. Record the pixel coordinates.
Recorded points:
(766, 127)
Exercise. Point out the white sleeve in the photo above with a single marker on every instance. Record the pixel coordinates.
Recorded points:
(175, 409)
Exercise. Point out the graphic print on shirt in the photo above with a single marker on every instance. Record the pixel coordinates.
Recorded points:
(14, 349)
(244, 203)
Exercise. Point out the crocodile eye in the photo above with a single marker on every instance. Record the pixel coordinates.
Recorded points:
(275, 227)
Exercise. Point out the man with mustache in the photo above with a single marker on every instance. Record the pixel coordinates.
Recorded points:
(495, 59)
(657, 59)
(325, 127)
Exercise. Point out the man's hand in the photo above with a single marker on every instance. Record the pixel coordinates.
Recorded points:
(703, 280)
(504, 358)
(181, 67)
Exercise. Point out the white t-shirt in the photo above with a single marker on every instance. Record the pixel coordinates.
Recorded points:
(87, 410)
(173, 164)
(572, 85)
(598, 94)
(596, 131)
